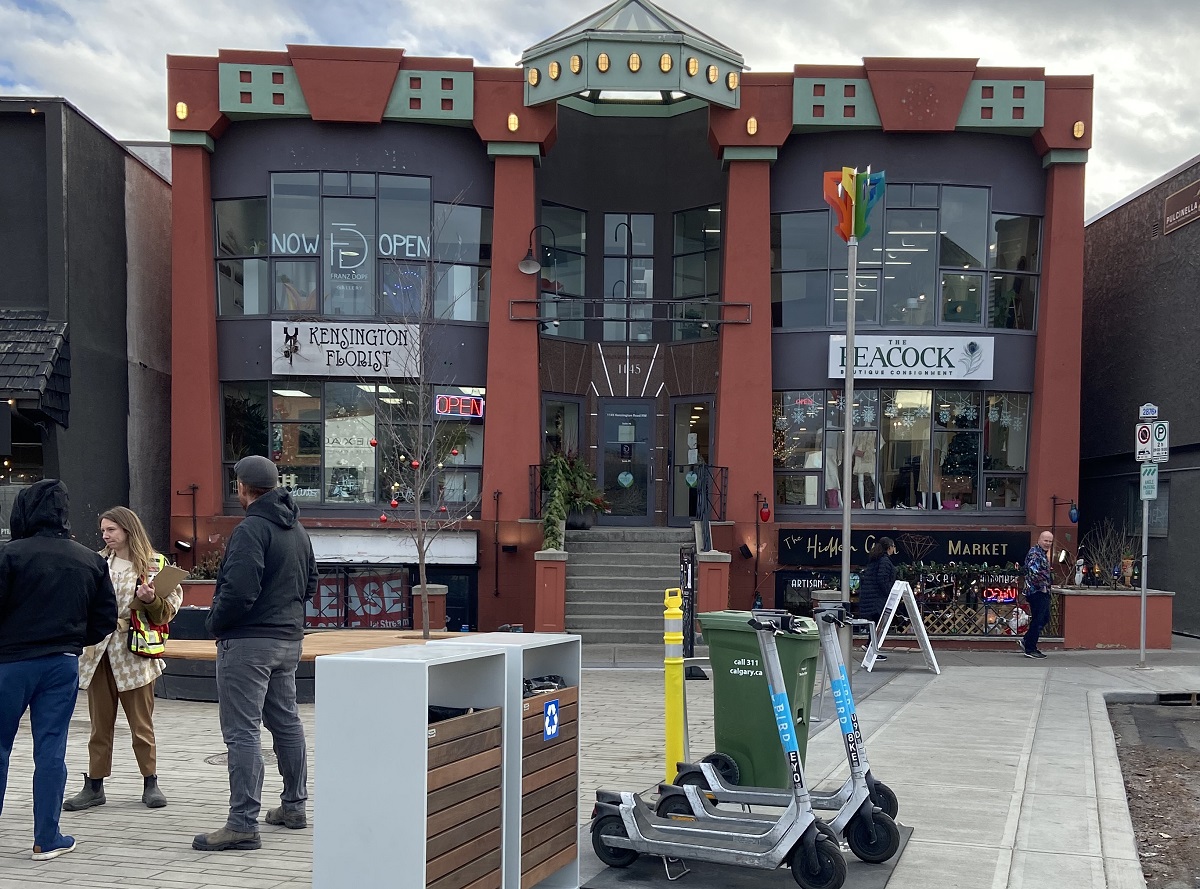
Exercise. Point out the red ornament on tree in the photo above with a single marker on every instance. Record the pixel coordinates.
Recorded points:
(416, 464)
(374, 443)
(395, 503)
(441, 509)
(454, 452)
(764, 512)
(383, 517)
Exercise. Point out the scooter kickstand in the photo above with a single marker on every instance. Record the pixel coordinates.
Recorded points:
(667, 867)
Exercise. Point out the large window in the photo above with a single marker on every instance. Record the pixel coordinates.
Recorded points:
(354, 245)
(628, 276)
(561, 279)
(935, 257)
(696, 285)
(320, 435)
(911, 449)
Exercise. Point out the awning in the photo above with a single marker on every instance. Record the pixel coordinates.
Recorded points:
(35, 364)
(392, 547)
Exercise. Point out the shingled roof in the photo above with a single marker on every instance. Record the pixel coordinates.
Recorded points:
(35, 363)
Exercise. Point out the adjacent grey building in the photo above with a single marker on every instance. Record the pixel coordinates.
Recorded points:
(1140, 327)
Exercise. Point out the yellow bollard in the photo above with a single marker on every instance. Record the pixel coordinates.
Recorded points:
(673, 680)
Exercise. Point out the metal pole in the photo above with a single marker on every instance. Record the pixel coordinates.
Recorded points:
(1145, 542)
(848, 433)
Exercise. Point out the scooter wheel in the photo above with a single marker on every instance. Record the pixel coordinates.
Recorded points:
(613, 856)
(827, 871)
(676, 808)
(726, 767)
(825, 830)
(884, 797)
(696, 779)
(885, 844)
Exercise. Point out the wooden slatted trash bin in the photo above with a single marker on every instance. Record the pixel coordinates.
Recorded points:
(399, 800)
(541, 761)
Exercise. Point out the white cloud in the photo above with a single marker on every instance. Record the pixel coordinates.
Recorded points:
(108, 56)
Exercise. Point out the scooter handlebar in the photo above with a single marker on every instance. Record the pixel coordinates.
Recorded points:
(769, 619)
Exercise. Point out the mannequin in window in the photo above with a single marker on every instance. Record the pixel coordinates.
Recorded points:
(864, 466)
(833, 470)
(931, 489)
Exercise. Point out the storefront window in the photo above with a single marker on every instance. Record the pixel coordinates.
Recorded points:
(697, 272)
(350, 273)
(866, 299)
(463, 250)
(798, 441)
(295, 286)
(349, 455)
(910, 268)
(244, 415)
(956, 449)
(964, 227)
(295, 214)
(561, 427)
(561, 252)
(241, 227)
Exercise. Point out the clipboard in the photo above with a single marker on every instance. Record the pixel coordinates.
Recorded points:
(171, 575)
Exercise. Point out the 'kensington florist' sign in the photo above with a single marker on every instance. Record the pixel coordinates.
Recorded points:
(914, 357)
(309, 348)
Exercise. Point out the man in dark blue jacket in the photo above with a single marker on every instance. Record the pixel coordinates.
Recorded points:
(257, 616)
(55, 599)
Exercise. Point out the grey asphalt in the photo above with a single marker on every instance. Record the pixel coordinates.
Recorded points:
(1005, 768)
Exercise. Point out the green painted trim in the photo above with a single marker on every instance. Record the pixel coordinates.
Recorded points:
(266, 97)
(190, 137)
(429, 94)
(514, 149)
(829, 95)
(1064, 156)
(623, 109)
(1002, 105)
(749, 153)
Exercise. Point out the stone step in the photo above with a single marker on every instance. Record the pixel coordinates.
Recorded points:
(647, 611)
(619, 636)
(614, 592)
(588, 547)
(678, 536)
(619, 557)
(647, 575)
(639, 583)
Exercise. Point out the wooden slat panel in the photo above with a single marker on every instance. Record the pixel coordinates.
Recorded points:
(468, 873)
(446, 818)
(555, 862)
(543, 758)
(461, 748)
(549, 775)
(531, 723)
(567, 731)
(531, 839)
(487, 881)
(467, 789)
(461, 726)
(464, 768)
(568, 695)
(564, 840)
(462, 856)
(542, 814)
(461, 833)
(535, 799)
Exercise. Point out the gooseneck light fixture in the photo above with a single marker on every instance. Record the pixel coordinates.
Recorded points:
(530, 264)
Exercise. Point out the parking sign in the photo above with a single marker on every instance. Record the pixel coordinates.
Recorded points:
(1149, 481)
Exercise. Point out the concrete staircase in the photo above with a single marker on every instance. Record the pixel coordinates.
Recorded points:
(615, 583)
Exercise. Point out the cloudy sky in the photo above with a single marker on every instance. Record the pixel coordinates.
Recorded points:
(108, 56)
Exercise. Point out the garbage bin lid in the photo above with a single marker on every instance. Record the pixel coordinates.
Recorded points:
(739, 622)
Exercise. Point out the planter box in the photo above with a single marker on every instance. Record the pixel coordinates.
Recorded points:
(1104, 618)
(198, 593)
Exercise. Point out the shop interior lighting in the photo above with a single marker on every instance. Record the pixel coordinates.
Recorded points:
(292, 393)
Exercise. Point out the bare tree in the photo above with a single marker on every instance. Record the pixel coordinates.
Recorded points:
(1105, 545)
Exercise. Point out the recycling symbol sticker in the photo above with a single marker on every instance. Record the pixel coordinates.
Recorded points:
(550, 720)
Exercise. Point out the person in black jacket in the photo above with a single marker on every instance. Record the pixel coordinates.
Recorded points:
(55, 599)
(266, 576)
(875, 581)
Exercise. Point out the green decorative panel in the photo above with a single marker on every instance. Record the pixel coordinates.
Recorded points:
(190, 137)
(260, 91)
(432, 97)
(831, 103)
(1004, 106)
(1064, 156)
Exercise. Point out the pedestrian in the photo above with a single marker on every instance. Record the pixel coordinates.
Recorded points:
(110, 673)
(257, 616)
(1037, 592)
(875, 582)
(55, 599)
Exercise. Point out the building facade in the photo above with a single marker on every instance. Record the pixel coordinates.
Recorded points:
(84, 317)
(1140, 295)
(621, 249)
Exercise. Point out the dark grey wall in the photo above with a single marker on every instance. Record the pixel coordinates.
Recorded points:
(94, 452)
(631, 165)
(23, 251)
(1008, 164)
(250, 150)
(1140, 327)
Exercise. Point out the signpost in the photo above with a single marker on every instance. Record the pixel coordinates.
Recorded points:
(1151, 446)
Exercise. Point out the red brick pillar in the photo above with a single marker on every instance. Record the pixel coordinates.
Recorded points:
(550, 592)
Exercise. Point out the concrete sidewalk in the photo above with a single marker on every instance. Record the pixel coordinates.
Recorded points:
(1005, 767)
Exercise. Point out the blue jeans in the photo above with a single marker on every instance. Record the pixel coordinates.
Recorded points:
(46, 687)
(256, 685)
(1039, 616)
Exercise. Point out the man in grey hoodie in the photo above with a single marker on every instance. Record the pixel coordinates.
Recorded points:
(266, 576)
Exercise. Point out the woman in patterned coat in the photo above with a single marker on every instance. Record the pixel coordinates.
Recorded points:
(111, 673)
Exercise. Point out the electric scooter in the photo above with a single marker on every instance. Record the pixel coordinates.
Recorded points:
(623, 826)
(867, 827)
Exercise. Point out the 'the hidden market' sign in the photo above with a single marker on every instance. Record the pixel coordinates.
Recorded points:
(823, 547)
(308, 348)
(1181, 208)
(914, 357)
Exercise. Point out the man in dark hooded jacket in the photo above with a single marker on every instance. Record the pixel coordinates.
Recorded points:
(55, 599)
(257, 616)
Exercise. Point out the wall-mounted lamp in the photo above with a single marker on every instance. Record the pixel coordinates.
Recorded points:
(183, 546)
(530, 265)
(1072, 513)
(509, 547)
(746, 552)
(546, 325)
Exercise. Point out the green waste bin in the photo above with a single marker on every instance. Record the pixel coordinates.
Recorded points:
(744, 722)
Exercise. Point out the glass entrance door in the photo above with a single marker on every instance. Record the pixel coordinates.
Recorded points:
(627, 461)
(690, 448)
